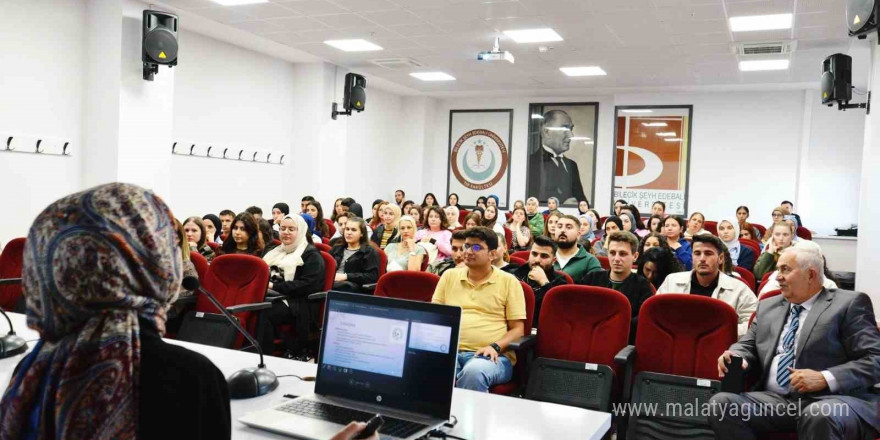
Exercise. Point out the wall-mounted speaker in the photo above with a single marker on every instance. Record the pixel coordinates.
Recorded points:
(355, 95)
(159, 44)
(861, 17)
(837, 79)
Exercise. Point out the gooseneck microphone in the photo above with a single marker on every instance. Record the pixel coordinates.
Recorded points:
(247, 382)
(11, 344)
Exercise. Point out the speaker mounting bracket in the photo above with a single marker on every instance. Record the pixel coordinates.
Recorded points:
(150, 71)
(865, 105)
(335, 112)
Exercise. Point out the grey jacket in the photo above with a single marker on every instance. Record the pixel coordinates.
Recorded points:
(840, 335)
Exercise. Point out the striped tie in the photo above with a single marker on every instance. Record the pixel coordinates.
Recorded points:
(783, 376)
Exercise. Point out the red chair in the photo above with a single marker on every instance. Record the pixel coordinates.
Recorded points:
(276, 242)
(10, 269)
(236, 280)
(761, 230)
(711, 227)
(508, 236)
(519, 370)
(323, 247)
(214, 246)
(329, 277)
(325, 240)
(764, 281)
(769, 294)
(522, 255)
(414, 286)
(567, 277)
(383, 262)
(604, 262)
(424, 267)
(804, 233)
(753, 245)
(601, 222)
(200, 263)
(545, 217)
(330, 226)
(462, 213)
(509, 216)
(747, 276)
(579, 324)
(517, 261)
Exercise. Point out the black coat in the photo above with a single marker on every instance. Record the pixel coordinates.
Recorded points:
(309, 277)
(377, 235)
(746, 258)
(546, 179)
(362, 268)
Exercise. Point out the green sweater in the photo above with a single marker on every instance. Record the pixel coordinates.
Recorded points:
(536, 225)
(766, 263)
(580, 264)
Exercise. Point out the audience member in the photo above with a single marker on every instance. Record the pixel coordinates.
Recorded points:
(407, 205)
(341, 220)
(490, 219)
(742, 256)
(296, 270)
(457, 255)
(519, 204)
(492, 200)
(226, 218)
(212, 228)
(472, 220)
(742, 215)
(405, 254)
(436, 232)
(416, 214)
(387, 232)
(100, 368)
(583, 207)
(622, 254)
(539, 273)
(618, 204)
(376, 219)
(653, 240)
(181, 241)
(337, 210)
(536, 220)
(638, 225)
(429, 200)
(521, 233)
(550, 223)
(493, 311)
(659, 209)
(612, 224)
(481, 202)
(777, 215)
(310, 224)
(707, 280)
(500, 259)
(585, 232)
(815, 353)
(304, 203)
(451, 213)
(347, 203)
(773, 283)
(552, 205)
(597, 229)
(452, 200)
(314, 209)
(266, 234)
(656, 263)
(399, 197)
(196, 236)
(571, 258)
(655, 223)
(695, 225)
(749, 232)
(673, 229)
(788, 209)
(630, 224)
(357, 263)
(781, 235)
(279, 211)
(245, 237)
(256, 212)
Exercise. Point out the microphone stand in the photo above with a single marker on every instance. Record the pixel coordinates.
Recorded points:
(247, 382)
(11, 344)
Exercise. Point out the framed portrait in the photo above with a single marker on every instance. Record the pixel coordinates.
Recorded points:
(652, 156)
(562, 152)
(479, 155)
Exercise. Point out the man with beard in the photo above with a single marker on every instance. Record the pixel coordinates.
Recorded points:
(571, 258)
(399, 196)
(538, 273)
(622, 253)
(457, 258)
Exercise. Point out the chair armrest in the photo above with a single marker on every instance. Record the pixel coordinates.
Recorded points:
(249, 307)
(320, 296)
(273, 296)
(523, 343)
(189, 299)
(626, 358)
(371, 287)
(625, 355)
(10, 281)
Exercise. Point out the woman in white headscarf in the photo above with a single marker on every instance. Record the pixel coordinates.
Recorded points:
(742, 256)
(296, 270)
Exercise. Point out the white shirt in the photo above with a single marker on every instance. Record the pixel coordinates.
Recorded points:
(563, 260)
(557, 158)
(772, 385)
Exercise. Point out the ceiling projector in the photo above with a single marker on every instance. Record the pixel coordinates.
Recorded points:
(495, 54)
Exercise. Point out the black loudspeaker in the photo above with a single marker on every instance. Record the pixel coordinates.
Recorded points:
(861, 17)
(837, 79)
(159, 44)
(355, 98)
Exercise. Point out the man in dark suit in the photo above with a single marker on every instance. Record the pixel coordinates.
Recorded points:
(551, 174)
(817, 353)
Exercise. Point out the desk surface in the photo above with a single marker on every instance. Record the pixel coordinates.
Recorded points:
(480, 415)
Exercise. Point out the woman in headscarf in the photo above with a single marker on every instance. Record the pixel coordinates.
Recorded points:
(552, 205)
(612, 224)
(310, 227)
(452, 213)
(535, 219)
(296, 270)
(213, 226)
(100, 269)
(742, 256)
(585, 233)
(583, 207)
(387, 231)
(452, 200)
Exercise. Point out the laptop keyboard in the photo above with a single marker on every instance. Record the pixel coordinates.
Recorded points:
(342, 415)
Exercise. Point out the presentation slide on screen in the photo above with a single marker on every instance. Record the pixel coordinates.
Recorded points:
(366, 343)
(430, 337)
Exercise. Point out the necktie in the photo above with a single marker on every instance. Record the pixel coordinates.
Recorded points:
(783, 376)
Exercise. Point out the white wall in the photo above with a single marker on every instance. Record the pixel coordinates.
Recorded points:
(868, 252)
(41, 94)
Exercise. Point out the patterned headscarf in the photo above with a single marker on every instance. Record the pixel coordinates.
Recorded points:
(94, 263)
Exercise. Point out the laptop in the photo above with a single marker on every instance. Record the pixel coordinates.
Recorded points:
(377, 356)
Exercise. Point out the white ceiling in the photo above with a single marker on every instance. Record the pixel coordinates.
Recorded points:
(639, 43)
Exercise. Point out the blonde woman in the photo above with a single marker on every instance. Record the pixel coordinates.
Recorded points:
(405, 254)
(387, 231)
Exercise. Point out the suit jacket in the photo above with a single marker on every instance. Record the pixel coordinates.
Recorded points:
(546, 179)
(839, 335)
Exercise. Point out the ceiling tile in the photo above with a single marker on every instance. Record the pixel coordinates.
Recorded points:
(760, 7)
(314, 7)
(391, 18)
(265, 10)
(221, 14)
(818, 19)
(365, 5)
(298, 24)
(415, 30)
(190, 4)
(260, 27)
(692, 13)
(820, 33)
(697, 27)
(713, 38)
(342, 21)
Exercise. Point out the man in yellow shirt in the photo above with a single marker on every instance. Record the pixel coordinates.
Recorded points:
(493, 313)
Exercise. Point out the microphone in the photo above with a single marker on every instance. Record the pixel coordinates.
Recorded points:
(247, 382)
(11, 344)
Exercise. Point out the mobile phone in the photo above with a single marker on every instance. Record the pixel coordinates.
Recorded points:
(732, 382)
(372, 426)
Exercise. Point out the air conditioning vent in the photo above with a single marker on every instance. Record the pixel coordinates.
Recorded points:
(772, 48)
(397, 63)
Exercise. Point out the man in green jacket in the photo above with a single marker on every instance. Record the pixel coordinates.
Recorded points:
(571, 258)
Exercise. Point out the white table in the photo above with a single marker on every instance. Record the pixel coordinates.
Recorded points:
(480, 415)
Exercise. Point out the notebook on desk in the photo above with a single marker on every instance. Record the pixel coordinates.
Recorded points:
(377, 356)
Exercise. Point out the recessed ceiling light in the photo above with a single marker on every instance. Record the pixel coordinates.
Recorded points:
(653, 124)
(760, 22)
(667, 133)
(353, 45)
(636, 110)
(583, 71)
(758, 65)
(672, 139)
(533, 35)
(239, 2)
(537, 116)
(432, 76)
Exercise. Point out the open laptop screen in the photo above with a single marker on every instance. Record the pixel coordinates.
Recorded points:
(389, 352)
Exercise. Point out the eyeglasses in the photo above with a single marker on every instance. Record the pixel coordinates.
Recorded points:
(473, 247)
(777, 215)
